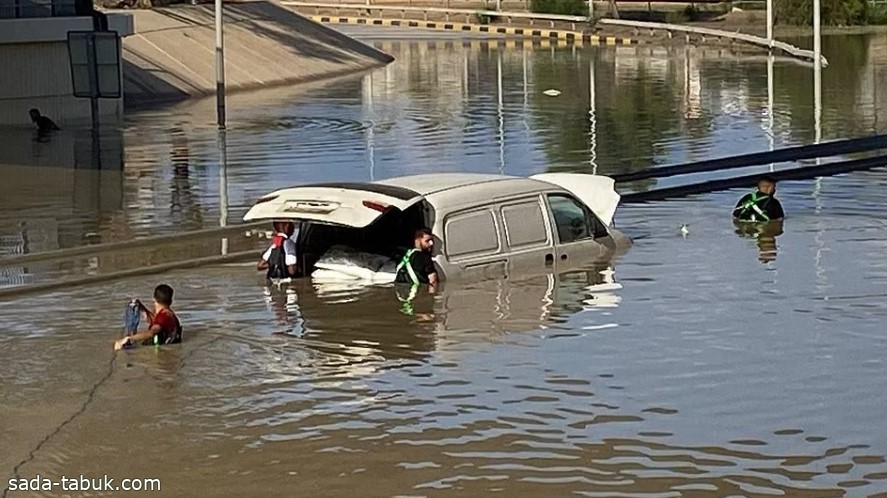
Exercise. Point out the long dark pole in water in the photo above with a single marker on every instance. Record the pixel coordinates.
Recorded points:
(787, 154)
(220, 68)
(801, 173)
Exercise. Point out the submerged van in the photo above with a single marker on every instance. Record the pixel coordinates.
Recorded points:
(485, 226)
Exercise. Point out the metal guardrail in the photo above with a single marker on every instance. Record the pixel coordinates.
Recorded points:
(799, 173)
(795, 153)
(573, 20)
(138, 243)
(468, 13)
(717, 33)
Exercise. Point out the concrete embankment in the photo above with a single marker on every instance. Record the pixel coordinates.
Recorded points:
(171, 56)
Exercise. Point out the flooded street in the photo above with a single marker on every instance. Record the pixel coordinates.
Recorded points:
(713, 363)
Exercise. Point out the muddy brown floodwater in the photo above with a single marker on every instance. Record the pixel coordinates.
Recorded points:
(713, 363)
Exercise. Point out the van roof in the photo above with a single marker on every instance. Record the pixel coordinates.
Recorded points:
(433, 183)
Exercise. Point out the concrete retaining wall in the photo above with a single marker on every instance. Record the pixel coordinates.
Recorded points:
(172, 54)
(35, 70)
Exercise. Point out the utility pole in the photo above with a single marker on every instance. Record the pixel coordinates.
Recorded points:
(220, 67)
(770, 23)
(817, 69)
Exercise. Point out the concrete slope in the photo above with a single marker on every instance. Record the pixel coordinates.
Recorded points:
(172, 54)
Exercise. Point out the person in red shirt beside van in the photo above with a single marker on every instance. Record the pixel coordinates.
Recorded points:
(163, 324)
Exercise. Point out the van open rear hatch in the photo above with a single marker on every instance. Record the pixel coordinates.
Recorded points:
(352, 204)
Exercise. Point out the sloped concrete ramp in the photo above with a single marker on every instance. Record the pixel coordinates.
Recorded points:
(172, 55)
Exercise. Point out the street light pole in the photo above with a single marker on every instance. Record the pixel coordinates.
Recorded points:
(770, 23)
(220, 67)
(817, 70)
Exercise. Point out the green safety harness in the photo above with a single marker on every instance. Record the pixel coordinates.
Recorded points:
(405, 263)
(407, 304)
(752, 204)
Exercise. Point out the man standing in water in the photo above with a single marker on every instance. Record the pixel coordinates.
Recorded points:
(416, 267)
(761, 205)
(280, 259)
(163, 327)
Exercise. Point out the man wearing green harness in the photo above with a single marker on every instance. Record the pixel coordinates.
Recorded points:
(761, 205)
(416, 267)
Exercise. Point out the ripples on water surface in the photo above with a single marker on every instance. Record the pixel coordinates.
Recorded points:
(723, 365)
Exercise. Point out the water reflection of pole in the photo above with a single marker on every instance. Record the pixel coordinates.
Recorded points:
(770, 98)
(465, 53)
(223, 186)
(371, 143)
(500, 113)
(526, 92)
(821, 279)
(592, 114)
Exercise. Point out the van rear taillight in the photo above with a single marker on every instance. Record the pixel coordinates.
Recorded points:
(267, 198)
(378, 206)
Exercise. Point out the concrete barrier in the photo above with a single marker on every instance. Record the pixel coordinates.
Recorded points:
(574, 37)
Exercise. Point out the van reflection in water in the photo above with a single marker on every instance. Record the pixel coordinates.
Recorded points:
(369, 323)
(765, 235)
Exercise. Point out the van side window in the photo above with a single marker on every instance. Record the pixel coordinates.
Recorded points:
(524, 224)
(471, 233)
(574, 220)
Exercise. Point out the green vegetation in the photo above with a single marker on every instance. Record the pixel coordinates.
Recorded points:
(834, 12)
(693, 13)
(564, 7)
(482, 18)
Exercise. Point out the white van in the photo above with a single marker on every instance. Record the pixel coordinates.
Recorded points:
(485, 226)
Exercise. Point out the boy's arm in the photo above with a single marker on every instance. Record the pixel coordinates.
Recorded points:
(139, 337)
(263, 262)
(148, 313)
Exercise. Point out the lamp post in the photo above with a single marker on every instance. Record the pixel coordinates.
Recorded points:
(817, 70)
(770, 23)
(220, 67)
(500, 111)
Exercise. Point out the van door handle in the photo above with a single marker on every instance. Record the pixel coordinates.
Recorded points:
(549, 259)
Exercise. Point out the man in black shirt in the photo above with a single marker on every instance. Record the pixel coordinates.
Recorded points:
(416, 267)
(761, 205)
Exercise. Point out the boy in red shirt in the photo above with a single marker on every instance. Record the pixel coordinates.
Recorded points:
(163, 324)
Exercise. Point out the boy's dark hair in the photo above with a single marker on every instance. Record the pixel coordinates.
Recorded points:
(768, 179)
(284, 226)
(421, 232)
(163, 294)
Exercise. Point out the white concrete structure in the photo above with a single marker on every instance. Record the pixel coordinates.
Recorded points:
(35, 70)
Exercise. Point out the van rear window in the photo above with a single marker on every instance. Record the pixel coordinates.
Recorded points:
(471, 233)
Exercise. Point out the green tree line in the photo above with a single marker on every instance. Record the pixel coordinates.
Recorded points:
(790, 12)
(833, 12)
